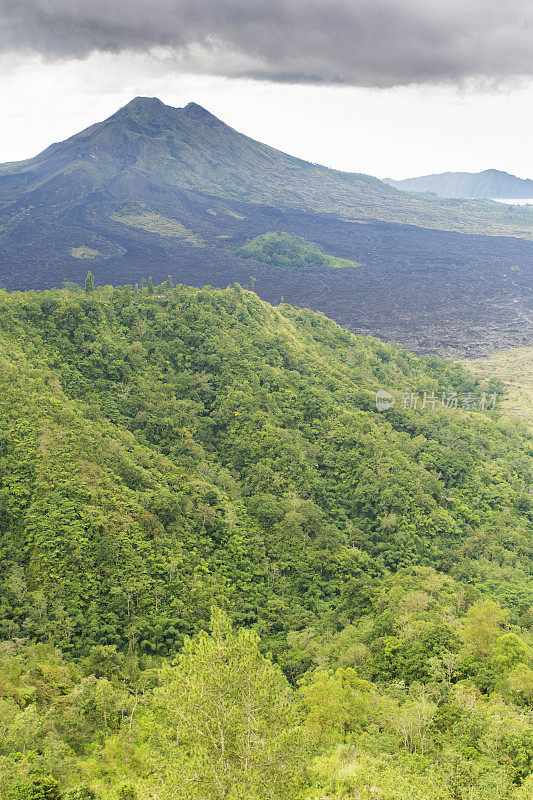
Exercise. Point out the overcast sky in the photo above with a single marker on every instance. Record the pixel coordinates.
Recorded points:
(388, 87)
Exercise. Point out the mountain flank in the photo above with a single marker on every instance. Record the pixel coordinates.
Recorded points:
(147, 144)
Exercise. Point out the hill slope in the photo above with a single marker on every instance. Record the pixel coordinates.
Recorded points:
(491, 183)
(515, 369)
(159, 453)
(165, 452)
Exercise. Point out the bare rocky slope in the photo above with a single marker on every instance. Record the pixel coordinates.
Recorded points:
(158, 190)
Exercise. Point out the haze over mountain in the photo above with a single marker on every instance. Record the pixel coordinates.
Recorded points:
(159, 190)
(491, 183)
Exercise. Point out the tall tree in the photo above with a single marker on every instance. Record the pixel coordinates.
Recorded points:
(89, 283)
(237, 732)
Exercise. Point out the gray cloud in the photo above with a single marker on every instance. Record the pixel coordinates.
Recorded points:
(376, 43)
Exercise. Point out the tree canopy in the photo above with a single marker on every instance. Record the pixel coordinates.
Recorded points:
(163, 453)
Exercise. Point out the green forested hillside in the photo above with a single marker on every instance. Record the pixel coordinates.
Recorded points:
(167, 451)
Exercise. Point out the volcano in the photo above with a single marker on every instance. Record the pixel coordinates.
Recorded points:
(160, 190)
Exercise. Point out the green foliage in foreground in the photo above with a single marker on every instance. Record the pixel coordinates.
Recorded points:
(221, 721)
(287, 250)
(162, 453)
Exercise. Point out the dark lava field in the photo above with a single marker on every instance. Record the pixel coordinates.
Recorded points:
(155, 191)
(432, 291)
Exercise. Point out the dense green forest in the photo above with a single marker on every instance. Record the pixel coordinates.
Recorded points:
(287, 250)
(226, 574)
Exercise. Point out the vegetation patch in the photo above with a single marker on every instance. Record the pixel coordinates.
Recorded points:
(369, 571)
(138, 216)
(84, 253)
(279, 249)
(513, 370)
(234, 214)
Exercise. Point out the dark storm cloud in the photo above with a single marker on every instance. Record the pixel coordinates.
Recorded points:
(357, 42)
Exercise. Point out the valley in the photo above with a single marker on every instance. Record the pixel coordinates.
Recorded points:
(433, 291)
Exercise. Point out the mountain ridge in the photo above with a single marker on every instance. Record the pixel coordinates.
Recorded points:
(208, 429)
(177, 145)
(488, 184)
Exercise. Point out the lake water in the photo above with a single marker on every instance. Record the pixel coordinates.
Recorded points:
(528, 201)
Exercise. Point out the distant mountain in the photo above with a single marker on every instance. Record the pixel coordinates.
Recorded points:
(158, 190)
(149, 150)
(480, 185)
